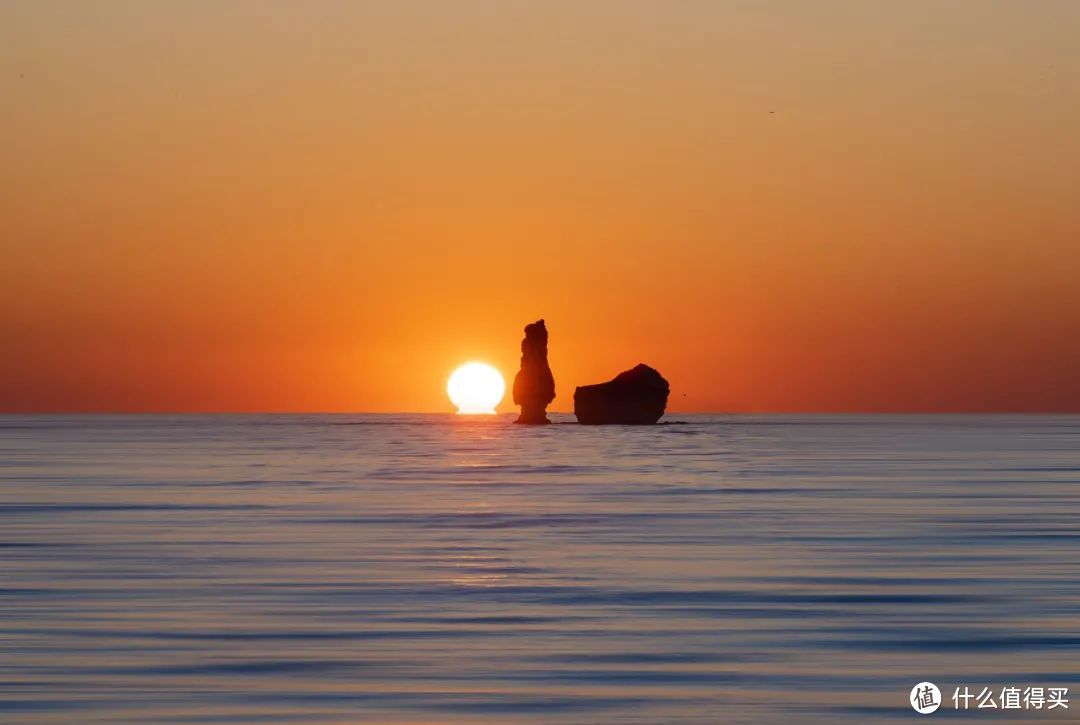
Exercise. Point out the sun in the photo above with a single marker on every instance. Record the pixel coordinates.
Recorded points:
(475, 388)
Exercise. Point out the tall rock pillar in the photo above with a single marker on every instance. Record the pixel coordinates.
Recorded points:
(534, 386)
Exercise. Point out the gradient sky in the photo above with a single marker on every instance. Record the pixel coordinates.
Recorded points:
(321, 206)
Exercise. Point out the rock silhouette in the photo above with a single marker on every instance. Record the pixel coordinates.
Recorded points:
(633, 397)
(534, 386)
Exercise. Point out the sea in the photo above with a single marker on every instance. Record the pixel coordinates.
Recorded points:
(452, 569)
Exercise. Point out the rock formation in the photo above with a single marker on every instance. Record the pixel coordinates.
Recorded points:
(534, 386)
(633, 397)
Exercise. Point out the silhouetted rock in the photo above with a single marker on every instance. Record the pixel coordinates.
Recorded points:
(534, 386)
(633, 397)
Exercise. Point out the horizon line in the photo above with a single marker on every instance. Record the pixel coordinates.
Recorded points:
(508, 413)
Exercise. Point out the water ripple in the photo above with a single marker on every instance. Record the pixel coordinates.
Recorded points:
(395, 568)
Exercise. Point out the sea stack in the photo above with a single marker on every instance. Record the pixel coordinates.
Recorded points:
(635, 397)
(534, 386)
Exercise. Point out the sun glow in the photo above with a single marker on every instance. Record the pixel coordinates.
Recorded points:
(475, 388)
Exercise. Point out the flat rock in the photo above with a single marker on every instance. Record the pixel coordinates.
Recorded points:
(635, 397)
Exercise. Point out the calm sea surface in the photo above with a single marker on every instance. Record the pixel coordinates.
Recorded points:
(429, 569)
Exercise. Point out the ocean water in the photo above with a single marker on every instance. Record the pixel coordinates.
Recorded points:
(430, 569)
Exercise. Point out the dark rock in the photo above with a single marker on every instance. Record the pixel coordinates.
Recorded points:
(633, 397)
(534, 386)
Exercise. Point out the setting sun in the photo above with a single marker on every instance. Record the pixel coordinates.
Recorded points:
(475, 388)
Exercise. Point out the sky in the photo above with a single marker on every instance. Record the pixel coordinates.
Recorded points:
(793, 206)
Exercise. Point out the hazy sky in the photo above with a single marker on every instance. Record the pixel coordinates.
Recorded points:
(846, 205)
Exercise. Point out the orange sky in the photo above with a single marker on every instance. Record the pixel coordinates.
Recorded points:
(783, 206)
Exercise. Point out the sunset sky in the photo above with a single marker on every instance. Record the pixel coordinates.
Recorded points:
(327, 206)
